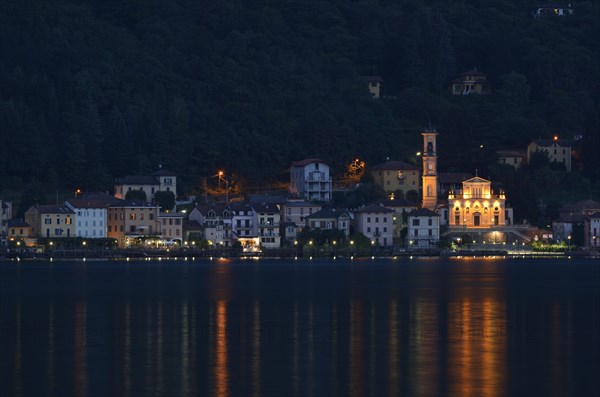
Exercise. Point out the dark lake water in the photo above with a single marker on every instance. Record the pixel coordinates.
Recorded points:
(404, 327)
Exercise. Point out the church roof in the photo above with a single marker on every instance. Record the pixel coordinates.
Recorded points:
(477, 180)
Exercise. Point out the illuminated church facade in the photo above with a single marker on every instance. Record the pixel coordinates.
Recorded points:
(475, 207)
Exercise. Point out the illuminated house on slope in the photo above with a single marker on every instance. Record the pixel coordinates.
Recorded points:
(477, 207)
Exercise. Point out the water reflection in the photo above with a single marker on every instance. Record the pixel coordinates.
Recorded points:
(221, 372)
(455, 330)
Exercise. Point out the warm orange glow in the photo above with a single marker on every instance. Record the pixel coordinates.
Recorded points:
(555, 137)
(221, 371)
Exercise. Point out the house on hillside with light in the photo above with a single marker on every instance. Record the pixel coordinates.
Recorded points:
(162, 180)
(311, 179)
(552, 9)
(472, 82)
(393, 176)
(374, 85)
(558, 150)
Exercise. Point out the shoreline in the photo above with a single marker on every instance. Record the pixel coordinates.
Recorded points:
(136, 256)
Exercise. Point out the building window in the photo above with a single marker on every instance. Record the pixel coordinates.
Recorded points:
(430, 232)
(430, 222)
(132, 216)
(151, 216)
(416, 222)
(47, 221)
(368, 230)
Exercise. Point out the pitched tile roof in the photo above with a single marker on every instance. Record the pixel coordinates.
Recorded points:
(304, 162)
(393, 165)
(423, 212)
(372, 208)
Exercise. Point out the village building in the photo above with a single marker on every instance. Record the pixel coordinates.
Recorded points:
(311, 179)
(374, 84)
(472, 82)
(552, 9)
(591, 231)
(51, 221)
(423, 229)
(91, 214)
(330, 219)
(161, 180)
(572, 216)
(5, 215)
(171, 226)
(476, 206)
(268, 222)
(558, 150)
(131, 219)
(514, 158)
(375, 222)
(396, 176)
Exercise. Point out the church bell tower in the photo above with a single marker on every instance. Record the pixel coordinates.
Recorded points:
(429, 169)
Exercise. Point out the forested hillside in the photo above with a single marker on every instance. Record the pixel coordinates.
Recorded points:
(91, 90)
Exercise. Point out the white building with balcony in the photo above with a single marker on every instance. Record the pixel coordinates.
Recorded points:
(311, 179)
(268, 219)
(423, 229)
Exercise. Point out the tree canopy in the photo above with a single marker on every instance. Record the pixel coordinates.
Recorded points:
(93, 90)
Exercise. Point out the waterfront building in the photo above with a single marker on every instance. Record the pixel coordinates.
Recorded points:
(268, 219)
(130, 219)
(330, 219)
(375, 222)
(51, 221)
(296, 211)
(401, 210)
(311, 179)
(216, 220)
(171, 226)
(5, 215)
(591, 231)
(476, 206)
(91, 213)
(423, 229)
(571, 216)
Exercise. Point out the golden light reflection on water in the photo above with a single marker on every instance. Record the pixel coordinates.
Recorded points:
(477, 346)
(221, 370)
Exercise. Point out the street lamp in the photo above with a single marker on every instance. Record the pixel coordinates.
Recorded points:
(569, 239)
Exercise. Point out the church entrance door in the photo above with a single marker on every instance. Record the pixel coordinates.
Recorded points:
(476, 219)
